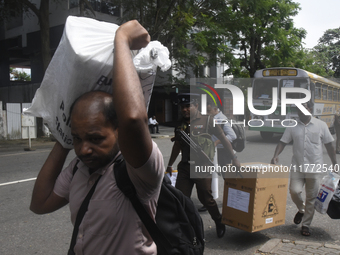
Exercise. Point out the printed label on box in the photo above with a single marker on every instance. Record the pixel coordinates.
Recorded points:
(238, 199)
(269, 220)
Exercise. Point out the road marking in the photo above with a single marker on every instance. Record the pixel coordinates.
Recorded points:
(14, 154)
(19, 181)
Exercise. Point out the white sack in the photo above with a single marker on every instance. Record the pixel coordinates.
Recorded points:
(83, 62)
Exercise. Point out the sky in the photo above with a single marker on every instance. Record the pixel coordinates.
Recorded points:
(316, 16)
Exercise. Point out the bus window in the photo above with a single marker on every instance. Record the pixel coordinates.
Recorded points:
(324, 92)
(330, 93)
(318, 91)
(262, 88)
(294, 83)
(335, 94)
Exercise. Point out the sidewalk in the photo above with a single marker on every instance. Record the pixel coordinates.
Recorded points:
(164, 132)
(22, 144)
(287, 247)
(46, 142)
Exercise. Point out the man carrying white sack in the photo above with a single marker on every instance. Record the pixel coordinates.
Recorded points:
(110, 225)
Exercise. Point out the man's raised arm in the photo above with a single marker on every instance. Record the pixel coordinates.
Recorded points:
(133, 132)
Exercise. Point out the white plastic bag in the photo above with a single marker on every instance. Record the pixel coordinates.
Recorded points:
(83, 62)
(328, 185)
(173, 177)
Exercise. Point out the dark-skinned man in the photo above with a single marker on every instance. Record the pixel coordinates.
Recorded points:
(104, 126)
(194, 123)
(308, 136)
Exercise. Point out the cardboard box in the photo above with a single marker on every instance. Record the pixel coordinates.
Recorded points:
(256, 201)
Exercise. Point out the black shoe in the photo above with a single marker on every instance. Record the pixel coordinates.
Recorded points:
(202, 209)
(220, 228)
(298, 218)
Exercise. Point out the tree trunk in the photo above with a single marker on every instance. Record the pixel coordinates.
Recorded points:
(81, 9)
(45, 33)
(252, 57)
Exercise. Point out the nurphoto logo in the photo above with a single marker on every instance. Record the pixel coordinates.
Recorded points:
(238, 98)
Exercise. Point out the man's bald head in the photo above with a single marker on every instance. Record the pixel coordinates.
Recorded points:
(93, 103)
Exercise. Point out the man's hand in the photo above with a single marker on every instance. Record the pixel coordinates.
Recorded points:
(332, 155)
(236, 163)
(279, 148)
(217, 142)
(274, 160)
(169, 170)
(132, 32)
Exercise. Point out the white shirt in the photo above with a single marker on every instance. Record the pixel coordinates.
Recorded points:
(227, 129)
(153, 121)
(307, 144)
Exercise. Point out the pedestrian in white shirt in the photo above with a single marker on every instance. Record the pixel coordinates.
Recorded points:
(153, 124)
(308, 136)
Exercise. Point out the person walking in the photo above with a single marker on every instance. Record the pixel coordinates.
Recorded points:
(337, 132)
(193, 124)
(103, 127)
(308, 136)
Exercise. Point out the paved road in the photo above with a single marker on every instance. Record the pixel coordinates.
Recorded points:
(24, 233)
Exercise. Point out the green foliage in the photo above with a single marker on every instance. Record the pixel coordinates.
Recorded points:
(328, 51)
(312, 61)
(190, 29)
(16, 75)
(263, 30)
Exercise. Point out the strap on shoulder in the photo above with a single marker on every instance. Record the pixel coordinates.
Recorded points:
(125, 184)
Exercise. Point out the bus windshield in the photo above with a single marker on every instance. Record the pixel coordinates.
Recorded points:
(294, 83)
(262, 88)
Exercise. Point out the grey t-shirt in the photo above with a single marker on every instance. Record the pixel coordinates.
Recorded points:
(111, 225)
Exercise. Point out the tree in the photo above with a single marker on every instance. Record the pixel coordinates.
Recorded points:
(328, 50)
(19, 76)
(263, 31)
(188, 28)
(312, 61)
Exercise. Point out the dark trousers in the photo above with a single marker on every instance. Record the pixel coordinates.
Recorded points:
(223, 159)
(152, 128)
(203, 186)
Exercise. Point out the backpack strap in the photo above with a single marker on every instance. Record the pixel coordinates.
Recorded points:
(125, 184)
(81, 212)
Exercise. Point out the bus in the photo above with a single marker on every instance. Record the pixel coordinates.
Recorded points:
(325, 96)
